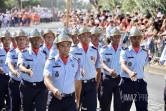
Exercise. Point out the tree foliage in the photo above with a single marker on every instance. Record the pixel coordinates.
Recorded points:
(29, 3)
(131, 5)
(5, 4)
(76, 4)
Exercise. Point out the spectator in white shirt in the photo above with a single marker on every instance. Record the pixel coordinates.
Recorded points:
(110, 27)
(118, 11)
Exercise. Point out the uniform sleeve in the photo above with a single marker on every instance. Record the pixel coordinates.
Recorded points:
(9, 58)
(123, 56)
(21, 58)
(78, 74)
(48, 68)
(98, 61)
(102, 54)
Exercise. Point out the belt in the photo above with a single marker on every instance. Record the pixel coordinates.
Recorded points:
(90, 80)
(33, 84)
(128, 79)
(14, 80)
(68, 95)
(110, 77)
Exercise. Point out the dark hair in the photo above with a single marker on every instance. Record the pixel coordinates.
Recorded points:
(128, 20)
(155, 24)
(159, 9)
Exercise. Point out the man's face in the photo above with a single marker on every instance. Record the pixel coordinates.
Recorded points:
(157, 10)
(84, 38)
(95, 38)
(64, 48)
(75, 39)
(115, 39)
(35, 42)
(6, 42)
(49, 38)
(21, 41)
(136, 41)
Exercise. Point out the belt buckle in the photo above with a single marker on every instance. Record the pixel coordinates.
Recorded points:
(34, 84)
(85, 81)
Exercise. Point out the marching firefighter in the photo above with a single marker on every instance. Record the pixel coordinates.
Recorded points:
(31, 63)
(15, 76)
(110, 56)
(62, 77)
(90, 64)
(133, 59)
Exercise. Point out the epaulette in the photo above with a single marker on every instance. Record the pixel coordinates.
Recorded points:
(105, 46)
(94, 48)
(75, 58)
(44, 52)
(24, 50)
(145, 50)
(11, 50)
(41, 45)
(51, 58)
(124, 48)
(74, 45)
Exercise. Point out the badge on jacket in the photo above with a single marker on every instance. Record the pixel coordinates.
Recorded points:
(93, 59)
(56, 74)
(129, 64)
(1, 61)
(108, 60)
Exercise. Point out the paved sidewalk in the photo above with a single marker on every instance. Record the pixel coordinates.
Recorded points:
(155, 69)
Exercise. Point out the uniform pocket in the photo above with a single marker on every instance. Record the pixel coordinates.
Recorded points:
(58, 73)
(108, 59)
(130, 63)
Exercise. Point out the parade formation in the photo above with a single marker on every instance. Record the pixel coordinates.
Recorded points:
(76, 67)
(67, 75)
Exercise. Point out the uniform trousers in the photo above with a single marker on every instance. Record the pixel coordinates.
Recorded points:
(88, 98)
(14, 93)
(133, 91)
(110, 87)
(65, 104)
(4, 79)
(33, 93)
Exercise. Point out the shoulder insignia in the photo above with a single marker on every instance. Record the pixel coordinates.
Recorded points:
(41, 45)
(44, 52)
(75, 58)
(145, 50)
(94, 48)
(104, 46)
(74, 45)
(11, 50)
(124, 48)
(24, 50)
(51, 58)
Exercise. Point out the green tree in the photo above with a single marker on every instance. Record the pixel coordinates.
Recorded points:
(5, 4)
(131, 5)
(29, 3)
